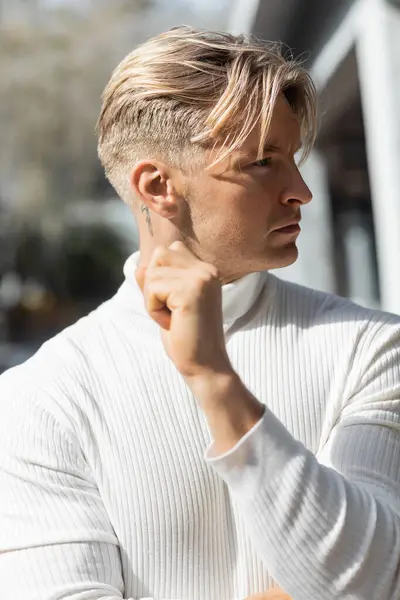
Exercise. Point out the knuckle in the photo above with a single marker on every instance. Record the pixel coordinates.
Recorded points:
(177, 245)
(209, 272)
(149, 284)
(214, 272)
(150, 274)
(151, 293)
(159, 254)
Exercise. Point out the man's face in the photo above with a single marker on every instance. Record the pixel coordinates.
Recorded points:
(243, 213)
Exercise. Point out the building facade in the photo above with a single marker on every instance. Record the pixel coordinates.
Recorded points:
(351, 231)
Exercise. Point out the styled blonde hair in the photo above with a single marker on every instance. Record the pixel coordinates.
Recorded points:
(186, 90)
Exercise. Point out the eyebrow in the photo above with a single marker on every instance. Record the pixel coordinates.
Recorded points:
(272, 147)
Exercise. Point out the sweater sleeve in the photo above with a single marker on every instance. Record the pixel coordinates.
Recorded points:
(56, 540)
(328, 527)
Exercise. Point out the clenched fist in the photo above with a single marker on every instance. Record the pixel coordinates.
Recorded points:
(183, 295)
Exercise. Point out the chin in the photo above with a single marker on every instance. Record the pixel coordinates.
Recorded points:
(277, 258)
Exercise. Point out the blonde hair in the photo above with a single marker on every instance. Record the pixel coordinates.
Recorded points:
(186, 90)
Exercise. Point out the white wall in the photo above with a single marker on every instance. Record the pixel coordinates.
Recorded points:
(378, 51)
(314, 267)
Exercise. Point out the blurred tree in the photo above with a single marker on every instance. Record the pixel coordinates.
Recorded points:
(64, 279)
(54, 64)
(55, 58)
(90, 260)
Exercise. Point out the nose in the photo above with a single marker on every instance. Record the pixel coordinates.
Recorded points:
(297, 192)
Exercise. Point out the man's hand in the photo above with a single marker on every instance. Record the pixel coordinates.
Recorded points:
(275, 594)
(183, 295)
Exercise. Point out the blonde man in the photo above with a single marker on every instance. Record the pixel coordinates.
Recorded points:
(211, 429)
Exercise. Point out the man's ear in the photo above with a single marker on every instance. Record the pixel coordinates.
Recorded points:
(151, 182)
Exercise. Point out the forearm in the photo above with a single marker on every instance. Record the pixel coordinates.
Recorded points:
(319, 534)
(230, 408)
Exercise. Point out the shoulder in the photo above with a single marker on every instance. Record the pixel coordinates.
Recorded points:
(360, 346)
(316, 308)
(76, 371)
(43, 420)
(58, 374)
(364, 342)
(73, 352)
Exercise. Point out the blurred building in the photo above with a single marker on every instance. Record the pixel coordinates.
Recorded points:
(351, 231)
(64, 235)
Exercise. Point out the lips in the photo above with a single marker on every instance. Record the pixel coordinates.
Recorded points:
(289, 229)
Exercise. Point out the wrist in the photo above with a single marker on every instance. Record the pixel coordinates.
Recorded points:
(211, 387)
(230, 408)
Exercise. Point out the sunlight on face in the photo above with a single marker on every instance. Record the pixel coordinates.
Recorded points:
(245, 212)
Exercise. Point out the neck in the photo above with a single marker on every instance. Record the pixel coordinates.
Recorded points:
(148, 243)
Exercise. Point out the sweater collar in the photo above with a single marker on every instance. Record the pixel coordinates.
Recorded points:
(237, 297)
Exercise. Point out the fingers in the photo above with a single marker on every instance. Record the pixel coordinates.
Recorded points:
(142, 274)
(181, 247)
(177, 255)
(174, 277)
(156, 293)
(159, 286)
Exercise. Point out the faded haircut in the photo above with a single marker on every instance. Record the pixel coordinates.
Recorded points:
(186, 90)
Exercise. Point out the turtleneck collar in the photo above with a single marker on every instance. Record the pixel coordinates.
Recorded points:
(237, 297)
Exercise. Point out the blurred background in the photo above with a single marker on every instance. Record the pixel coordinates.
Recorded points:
(64, 235)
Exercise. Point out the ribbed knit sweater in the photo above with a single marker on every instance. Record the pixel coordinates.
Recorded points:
(109, 487)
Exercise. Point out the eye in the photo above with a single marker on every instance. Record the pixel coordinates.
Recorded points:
(264, 162)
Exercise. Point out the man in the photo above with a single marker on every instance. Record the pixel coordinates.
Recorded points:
(292, 394)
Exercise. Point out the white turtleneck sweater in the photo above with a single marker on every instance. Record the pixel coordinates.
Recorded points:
(108, 484)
